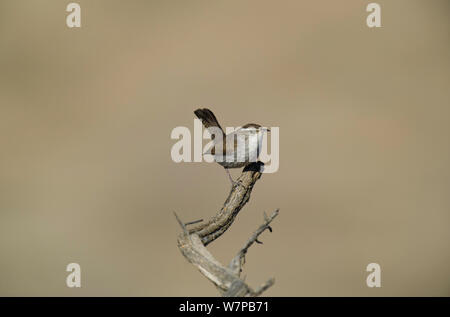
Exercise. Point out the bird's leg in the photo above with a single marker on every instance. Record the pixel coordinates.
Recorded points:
(233, 183)
(229, 176)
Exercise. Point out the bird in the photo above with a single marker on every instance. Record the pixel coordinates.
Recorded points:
(236, 149)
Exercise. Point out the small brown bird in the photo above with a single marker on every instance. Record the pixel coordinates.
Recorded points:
(235, 150)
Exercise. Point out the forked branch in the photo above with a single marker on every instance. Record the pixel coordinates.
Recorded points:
(192, 243)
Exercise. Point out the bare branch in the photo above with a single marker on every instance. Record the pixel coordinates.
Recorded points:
(192, 243)
(238, 197)
(239, 260)
(263, 287)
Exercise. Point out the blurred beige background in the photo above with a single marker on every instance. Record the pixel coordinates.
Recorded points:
(86, 115)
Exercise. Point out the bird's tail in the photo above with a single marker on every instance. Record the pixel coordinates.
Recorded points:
(208, 119)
